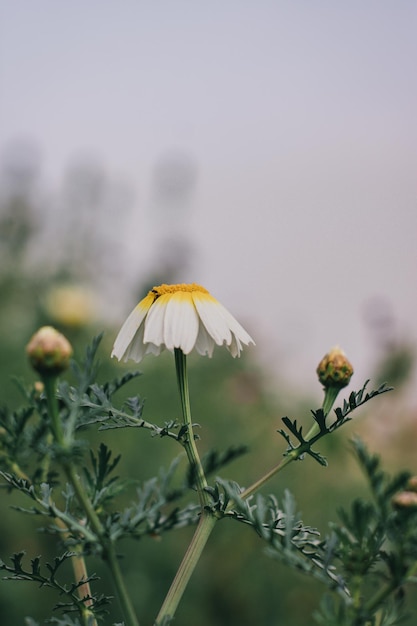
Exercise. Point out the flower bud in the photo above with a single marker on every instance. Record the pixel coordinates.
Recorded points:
(49, 351)
(405, 500)
(334, 370)
(38, 387)
(412, 484)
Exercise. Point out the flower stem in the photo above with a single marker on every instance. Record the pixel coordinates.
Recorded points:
(207, 519)
(189, 441)
(122, 594)
(80, 573)
(384, 591)
(109, 553)
(277, 468)
(328, 401)
(186, 569)
(330, 395)
(49, 382)
(58, 432)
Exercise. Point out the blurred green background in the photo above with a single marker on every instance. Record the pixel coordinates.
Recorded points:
(52, 276)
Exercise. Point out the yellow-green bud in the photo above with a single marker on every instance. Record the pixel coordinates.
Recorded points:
(405, 500)
(334, 370)
(49, 351)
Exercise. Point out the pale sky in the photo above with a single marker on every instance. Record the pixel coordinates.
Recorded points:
(299, 118)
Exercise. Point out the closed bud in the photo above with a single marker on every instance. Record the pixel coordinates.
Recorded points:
(405, 500)
(49, 351)
(334, 370)
(38, 387)
(412, 484)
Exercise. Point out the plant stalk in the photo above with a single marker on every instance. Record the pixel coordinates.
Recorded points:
(207, 519)
(84, 502)
(387, 589)
(189, 440)
(330, 396)
(122, 594)
(277, 468)
(186, 569)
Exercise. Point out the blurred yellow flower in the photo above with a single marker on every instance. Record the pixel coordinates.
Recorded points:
(183, 316)
(71, 305)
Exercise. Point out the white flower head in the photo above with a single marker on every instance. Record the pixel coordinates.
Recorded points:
(183, 316)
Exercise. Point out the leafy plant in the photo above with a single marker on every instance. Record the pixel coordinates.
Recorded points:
(364, 562)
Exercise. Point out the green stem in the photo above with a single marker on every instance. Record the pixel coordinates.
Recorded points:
(389, 588)
(84, 501)
(379, 596)
(356, 591)
(189, 441)
(46, 461)
(277, 468)
(53, 409)
(205, 527)
(186, 569)
(122, 594)
(109, 553)
(208, 519)
(58, 432)
(330, 396)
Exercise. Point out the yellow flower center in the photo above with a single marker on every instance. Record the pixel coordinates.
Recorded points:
(164, 289)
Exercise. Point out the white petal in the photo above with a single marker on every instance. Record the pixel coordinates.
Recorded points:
(235, 327)
(210, 314)
(129, 329)
(235, 347)
(204, 343)
(180, 322)
(221, 324)
(154, 323)
(151, 348)
(136, 349)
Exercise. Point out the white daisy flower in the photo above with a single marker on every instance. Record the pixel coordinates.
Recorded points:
(180, 316)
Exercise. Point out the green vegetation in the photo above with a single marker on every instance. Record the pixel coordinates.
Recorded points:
(95, 479)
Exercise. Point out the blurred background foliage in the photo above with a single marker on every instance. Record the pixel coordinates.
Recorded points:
(58, 263)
